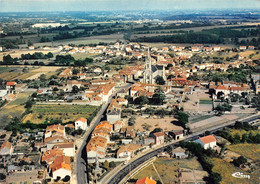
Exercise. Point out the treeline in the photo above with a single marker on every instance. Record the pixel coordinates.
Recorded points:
(61, 60)
(172, 26)
(213, 36)
(200, 37)
(36, 55)
(68, 60)
(245, 138)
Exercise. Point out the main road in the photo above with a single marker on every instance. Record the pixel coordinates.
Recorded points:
(81, 155)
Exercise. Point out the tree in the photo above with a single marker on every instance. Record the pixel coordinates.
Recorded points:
(141, 100)
(112, 164)
(158, 96)
(49, 55)
(215, 178)
(183, 118)
(75, 71)
(159, 80)
(75, 89)
(131, 121)
(239, 161)
(66, 178)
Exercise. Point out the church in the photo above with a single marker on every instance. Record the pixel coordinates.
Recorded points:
(151, 72)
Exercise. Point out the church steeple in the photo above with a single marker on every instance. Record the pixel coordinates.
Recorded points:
(148, 69)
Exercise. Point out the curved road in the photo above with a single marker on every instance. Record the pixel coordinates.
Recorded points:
(114, 177)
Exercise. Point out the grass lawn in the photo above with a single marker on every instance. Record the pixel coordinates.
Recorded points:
(202, 101)
(168, 169)
(84, 55)
(251, 151)
(59, 112)
(227, 169)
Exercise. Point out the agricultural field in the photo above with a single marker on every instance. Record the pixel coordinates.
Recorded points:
(13, 109)
(12, 73)
(251, 151)
(226, 170)
(168, 169)
(84, 55)
(65, 113)
(84, 40)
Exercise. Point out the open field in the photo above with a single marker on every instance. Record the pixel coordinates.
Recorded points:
(16, 72)
(227, 169)
(66, 113)
(82, 40)
(164, 123)
(13, 109)
(84, 55)
(251, 151)
(168, 169)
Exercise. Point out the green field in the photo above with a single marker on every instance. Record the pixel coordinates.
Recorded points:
(41, 113)
(205, 101)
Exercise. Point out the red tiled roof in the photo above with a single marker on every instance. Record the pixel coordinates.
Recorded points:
(145, 180)
(208, 139)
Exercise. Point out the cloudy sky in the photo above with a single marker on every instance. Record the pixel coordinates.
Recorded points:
(90, 5)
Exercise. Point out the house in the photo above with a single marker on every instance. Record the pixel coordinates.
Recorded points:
(50, 142)
(3, 93)
(10, 85)
(127, 151)
(67, 148)
(81, 123)
(145, 180)
(50, 155)
(178, 134)
(96, 147)
(97, 70)
(242, 47)
(6, 148)
(31, 47)
(60, 168)
(179, 153)
(158, 138)
(54, 130)
(118, 125)
(251, 47)
(207, 141)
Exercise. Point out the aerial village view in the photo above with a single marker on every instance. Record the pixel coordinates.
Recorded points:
(129, 92)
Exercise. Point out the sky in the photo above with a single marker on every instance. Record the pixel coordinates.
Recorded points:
(113, 5)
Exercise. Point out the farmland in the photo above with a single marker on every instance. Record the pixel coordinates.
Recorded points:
(65, 113)
(251, 151)
(227, 169)
(13, 109)
(18, 72)
(168, 168)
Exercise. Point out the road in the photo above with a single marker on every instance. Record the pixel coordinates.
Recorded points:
(81, 155)
(115, 176)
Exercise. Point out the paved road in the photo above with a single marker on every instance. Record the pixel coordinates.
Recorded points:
(115, 176)
(81, 157)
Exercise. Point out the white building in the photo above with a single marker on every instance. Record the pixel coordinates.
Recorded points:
(207, 141)
(81, 123)
(6, 148)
